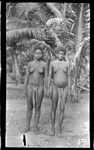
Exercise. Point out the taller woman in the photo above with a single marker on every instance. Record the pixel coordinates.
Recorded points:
(36, 79)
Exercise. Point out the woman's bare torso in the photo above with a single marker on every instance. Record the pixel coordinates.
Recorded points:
(36, 73)
(60, 73)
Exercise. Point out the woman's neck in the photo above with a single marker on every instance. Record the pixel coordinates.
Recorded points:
(63, 59)
(37, 60)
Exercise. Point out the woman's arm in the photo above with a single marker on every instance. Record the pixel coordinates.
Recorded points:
(46, 76)
(26, 76)
(69, 81)
(50, 75)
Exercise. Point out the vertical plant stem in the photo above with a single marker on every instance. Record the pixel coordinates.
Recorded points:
(16, 71)
(78, 42)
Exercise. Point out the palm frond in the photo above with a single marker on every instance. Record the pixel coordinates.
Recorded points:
(28, 33)
(54, 9)
(70, 12)
(25, 8)
(58, 24)
(11, 10)
(53, 21)
(34, 42)
(86, 22)
(61, 25)
(30, 42)
(16, 23)
(83, 32)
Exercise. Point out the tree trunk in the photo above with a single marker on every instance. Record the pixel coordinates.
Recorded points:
(58, 42)
(75, 83)
(16, 70)
(78, 50)
(64, 5)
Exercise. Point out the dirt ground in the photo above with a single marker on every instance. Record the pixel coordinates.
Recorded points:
(75, 131)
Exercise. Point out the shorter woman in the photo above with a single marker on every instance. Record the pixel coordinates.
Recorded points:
(58, 80)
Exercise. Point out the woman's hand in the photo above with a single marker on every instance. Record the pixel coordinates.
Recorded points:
(47, 92)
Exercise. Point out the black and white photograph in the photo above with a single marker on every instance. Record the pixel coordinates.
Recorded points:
(0, 74)
(47, 75)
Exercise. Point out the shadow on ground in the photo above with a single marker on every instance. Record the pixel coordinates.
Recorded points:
(75, 128)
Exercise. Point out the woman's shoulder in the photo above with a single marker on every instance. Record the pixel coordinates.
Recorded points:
(43, 63)
(66, 63)
(30, 64)
(54, 61)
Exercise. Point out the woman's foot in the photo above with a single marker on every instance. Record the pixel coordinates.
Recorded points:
(52, 133)
(59, 133)
(36, 130)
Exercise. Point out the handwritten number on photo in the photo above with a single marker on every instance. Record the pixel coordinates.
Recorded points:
(24, 140)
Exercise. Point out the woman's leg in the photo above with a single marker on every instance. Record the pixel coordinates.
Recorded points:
(29, 96)
(62, 108)
(38, 102)
(54, 98)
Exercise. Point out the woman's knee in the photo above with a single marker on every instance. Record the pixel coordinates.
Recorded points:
(54, 95)
(40, 93)
(37, 107)
(30, 106)
(62, 107)
(54, 101)
(54, 104)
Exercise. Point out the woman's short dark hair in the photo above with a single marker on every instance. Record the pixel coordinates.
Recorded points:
(60, 48)
(37, 47)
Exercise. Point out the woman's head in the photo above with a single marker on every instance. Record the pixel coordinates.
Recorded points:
(38, 53)
(61, 52)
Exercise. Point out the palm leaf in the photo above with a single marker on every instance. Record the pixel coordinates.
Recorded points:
(11, 10)
(28, 33)
(15, 36)
(34, 42)
(54, 10)
(23, 14)
(83, 32)
(62, 26)
(25, 8)
(16, 23)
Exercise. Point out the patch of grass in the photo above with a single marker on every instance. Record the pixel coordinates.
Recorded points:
(14, 93)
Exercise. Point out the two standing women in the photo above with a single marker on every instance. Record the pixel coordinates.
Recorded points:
(37, 78)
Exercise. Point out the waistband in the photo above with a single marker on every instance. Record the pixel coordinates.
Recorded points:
(35, 84)
(35, 87)
(53, 84)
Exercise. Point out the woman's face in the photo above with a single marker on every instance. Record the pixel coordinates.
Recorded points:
(38, 54)
(60, 55)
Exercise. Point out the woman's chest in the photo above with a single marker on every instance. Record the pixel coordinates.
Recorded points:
(36, 68)
(59, 67)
